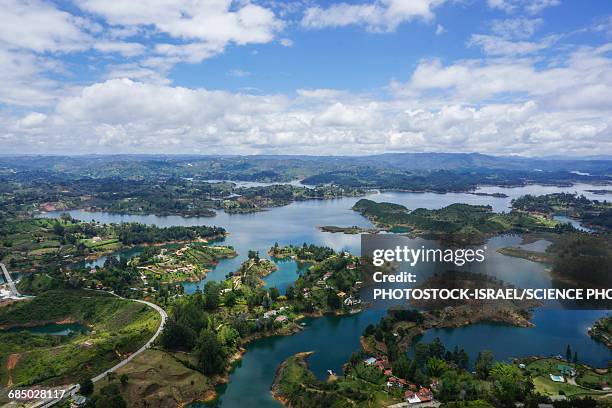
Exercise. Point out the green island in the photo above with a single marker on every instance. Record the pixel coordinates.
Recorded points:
(182, 263)
(593, 213)
(471, 221)
(111, 329)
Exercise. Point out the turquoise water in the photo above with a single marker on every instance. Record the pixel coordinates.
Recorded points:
(333, 339)
(51, 329)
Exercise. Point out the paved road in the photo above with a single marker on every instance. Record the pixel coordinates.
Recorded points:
(9, 280)
(73, 389)
(164, 317)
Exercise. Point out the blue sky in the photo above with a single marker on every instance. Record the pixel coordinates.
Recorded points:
(306, 77)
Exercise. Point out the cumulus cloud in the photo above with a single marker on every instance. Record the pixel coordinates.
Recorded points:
(40, 27)
(378, 16)
(562, 109)
(211, 24)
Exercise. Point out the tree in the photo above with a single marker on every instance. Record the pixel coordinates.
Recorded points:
(435, 367)
(177, 336)
(401, 367)
(290, 292)
(274, 293)
(333, 300)
(210, 354)
(436, 348)
(575, 359)
(123, 379)
(87, 387)
(419, 377)
(509, 384)
(230, 299)
(212, 296)
(484, 363)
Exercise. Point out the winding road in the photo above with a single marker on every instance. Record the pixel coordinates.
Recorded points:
(164, 318)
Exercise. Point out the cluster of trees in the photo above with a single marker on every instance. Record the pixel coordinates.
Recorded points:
(306, 252)
(193, 327)
(134, 233)
(197, 325)
(549, 202)
(593, 212)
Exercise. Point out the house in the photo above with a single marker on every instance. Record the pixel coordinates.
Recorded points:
(281, 319)
(341, 294)
(388, 373)
(566, 370)
(270, 314)
(351, 266)
(78, 401)
(327, 275)
(411, 398)
(370, 361)
(425, 394)
(349, 301)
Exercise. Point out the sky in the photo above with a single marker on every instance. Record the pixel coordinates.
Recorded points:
(502, 77)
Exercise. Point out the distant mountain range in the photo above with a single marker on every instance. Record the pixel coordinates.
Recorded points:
(301, 165)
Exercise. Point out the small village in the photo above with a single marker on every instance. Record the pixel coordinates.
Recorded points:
(413, 394)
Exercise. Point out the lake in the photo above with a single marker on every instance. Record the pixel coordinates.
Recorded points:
(333, 339)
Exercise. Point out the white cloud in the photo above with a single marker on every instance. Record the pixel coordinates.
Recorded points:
(321, 93)
(440, 29)
(492, 45)
(341, 115)
(286, 42)
(587, 68)
(39, 27)
(378, 16)
(23, 81)
(33, 119)
(528, 6)
(516, 28)
(213, 22)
